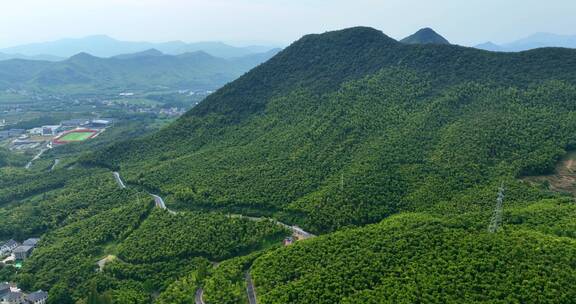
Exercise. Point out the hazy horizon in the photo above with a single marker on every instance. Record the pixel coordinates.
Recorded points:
(278, 22)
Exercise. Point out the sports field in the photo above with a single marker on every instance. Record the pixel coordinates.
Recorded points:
(76, 136)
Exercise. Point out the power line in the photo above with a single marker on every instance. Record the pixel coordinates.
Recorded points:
(496, 219)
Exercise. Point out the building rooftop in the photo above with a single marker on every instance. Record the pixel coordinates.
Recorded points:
(37, 296)
(23, 248)
(4, 288)
(10, 243)
(31, 242)
(12, 296)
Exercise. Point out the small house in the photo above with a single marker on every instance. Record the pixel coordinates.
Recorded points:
(99, 123)
(8, 247)
(4, 289)
(22, 252)
(37, 297)
(13, 297)
(288, 241)
(31, 242)
(50, 130)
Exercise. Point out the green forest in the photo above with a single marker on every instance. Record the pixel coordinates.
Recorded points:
(392, 153)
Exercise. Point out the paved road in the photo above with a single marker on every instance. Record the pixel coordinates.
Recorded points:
(199, 296)
(296, 231)
(56, 161)
(29, 164)
(119, 180)
(250, 289)
(158, 201)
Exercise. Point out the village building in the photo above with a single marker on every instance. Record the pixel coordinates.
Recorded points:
(288, 241)
(31, 242)
(50, 130)
(100, 123)
(4, 288)
(13, 297)
(72, 123)
(37, 297)
(22, 252)
(7, 247)
(11, 133)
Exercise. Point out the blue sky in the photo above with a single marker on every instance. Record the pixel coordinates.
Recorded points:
(465, 22)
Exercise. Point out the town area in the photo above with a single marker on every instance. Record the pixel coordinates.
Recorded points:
(14, 254)
(22, 140)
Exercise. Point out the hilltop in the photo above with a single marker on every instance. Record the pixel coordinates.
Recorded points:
(425, 36)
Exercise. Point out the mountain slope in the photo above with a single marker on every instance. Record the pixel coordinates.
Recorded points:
(425, 36)
(416, 258)
(349, 127)
(85, 73)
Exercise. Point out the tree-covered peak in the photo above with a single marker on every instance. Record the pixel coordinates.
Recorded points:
(425, 36)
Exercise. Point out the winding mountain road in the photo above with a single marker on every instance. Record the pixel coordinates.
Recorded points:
(199, 296)
(56, 162)
(158, 201)
(250, 289)
(119, 180)
(297, 232)
(37, 156)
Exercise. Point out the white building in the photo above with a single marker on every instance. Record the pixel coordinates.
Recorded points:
(50, 130)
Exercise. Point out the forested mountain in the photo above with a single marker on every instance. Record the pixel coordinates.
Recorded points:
(85, 73)
(425, 36)
(393, 153)
(349, 127)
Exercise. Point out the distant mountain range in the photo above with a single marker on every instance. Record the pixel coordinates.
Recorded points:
(150, 69)
(35, 57)
(104, 46)
(538, 40)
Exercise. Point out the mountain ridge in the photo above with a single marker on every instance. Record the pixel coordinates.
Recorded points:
(105, 46)
(84, 72)
(303, 83)
(534, 41)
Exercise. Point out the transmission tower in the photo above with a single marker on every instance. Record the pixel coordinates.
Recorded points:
(497, 214)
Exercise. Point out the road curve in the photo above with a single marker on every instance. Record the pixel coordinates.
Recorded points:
(119, 180)
(29, 164)
(56, 161)
(158, 201)
(199, 296)
(296, 231)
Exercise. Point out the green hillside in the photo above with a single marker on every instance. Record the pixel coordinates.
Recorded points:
(417, 258)
(349, 127)
(392, 153)
(84, 73)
